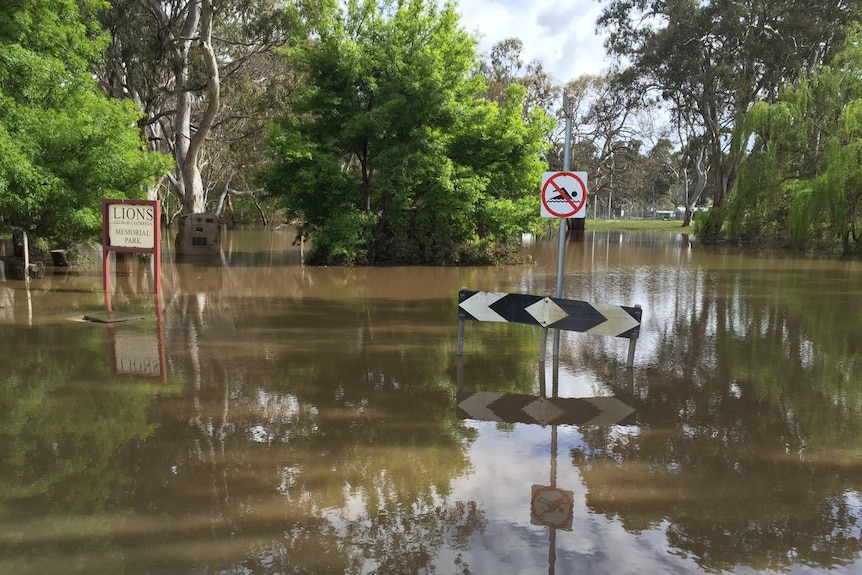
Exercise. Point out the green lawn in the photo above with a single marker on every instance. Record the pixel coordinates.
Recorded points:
(641, 225)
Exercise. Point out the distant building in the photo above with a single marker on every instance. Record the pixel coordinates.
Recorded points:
(678, 213)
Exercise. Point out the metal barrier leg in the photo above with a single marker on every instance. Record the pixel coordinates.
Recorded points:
(543, 345)
(631, 361)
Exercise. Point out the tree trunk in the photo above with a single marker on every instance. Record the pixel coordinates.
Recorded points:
(188, 145)
(575, 224)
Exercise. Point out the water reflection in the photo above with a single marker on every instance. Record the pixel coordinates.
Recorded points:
(747, 452)
(309, 421)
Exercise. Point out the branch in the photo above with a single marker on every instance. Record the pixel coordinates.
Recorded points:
(227, 190)
(213, 82)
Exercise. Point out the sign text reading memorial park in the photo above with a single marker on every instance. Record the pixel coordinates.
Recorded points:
(131, 224)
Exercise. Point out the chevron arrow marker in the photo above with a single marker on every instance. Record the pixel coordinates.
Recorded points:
(618, 321)
(479, 305)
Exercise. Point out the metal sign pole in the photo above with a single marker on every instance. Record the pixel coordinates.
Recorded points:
(561, 249)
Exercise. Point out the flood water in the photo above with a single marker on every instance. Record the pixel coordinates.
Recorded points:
(285, 419)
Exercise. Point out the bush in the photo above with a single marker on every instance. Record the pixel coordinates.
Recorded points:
(708, 226)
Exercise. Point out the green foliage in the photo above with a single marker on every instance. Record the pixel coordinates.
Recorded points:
(712, 60)
(708, 226)
(66, 426)
(801, 183)
(391, 155)
(63, 145)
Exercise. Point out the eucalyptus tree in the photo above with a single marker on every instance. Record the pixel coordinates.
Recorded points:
(392, 154)
(610, 123)
(504, 66)
(63, 145)
(692, 166)
(177, 60)
(715, 59)
(659, 175)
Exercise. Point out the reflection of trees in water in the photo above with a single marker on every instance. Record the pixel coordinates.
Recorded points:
(66, 424)
(313, 435)
(747, 449)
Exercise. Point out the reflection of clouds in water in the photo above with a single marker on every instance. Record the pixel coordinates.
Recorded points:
(274, 413)
(854, 504)
(259, 434)
(506, 464)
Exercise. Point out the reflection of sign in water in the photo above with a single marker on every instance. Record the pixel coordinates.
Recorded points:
(519, 408)
(551, 507)
(137, 353)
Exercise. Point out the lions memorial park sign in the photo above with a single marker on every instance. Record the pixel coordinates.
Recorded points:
(131, 224)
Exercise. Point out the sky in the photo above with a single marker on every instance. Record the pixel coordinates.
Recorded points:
(561, 34)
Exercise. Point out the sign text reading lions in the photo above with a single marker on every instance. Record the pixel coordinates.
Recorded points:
(132, 225)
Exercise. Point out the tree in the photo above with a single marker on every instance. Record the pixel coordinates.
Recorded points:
(715, 59)
(659, 175)
(176, 72)
(391, 155)
(504, 67)
(63, 145)
(801, 182)
(609, 126)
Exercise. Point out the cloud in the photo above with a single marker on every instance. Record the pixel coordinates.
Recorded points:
(560, 36)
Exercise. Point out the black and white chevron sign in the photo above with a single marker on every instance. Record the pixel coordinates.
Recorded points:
(517, 408)
(550, 312)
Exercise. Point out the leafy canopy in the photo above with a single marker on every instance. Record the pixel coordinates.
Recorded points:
(801, 183)
(63, 145)
(391, 155)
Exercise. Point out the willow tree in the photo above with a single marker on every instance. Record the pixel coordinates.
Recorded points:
(392, 154)
(801, 183)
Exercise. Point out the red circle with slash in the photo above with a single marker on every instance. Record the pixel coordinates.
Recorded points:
(556, 191)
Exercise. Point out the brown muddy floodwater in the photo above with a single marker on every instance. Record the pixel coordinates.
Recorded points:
(286, 419)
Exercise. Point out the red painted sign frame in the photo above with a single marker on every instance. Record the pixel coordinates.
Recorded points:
(107, 248)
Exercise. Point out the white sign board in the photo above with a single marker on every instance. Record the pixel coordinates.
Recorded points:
(564, 195)
(132, 225)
